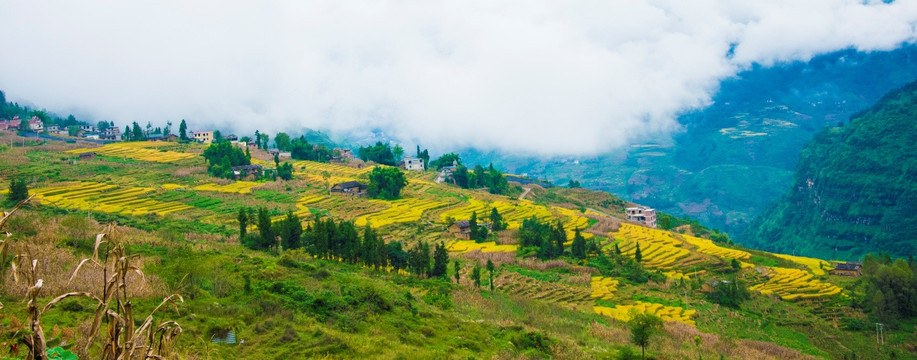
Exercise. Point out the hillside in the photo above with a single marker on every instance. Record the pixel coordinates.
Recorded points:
(854, 190)
(737, 155)
(157, 201)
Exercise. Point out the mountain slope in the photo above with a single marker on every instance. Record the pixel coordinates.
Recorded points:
(854, 190)
(758, 122)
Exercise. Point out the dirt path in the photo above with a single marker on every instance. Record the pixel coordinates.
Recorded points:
(527, 190)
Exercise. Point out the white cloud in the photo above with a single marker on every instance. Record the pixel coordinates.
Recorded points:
(542, 77)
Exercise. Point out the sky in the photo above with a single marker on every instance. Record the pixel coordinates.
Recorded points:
(525, 77)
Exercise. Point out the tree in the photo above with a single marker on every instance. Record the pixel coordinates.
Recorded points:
(386, 183)
(183, 131)
(166, 131)
(578, 248)
(291, 232)
(285, 171)
(460, 176)
(490, 270)
(642, 328)
(218, 136)
(440, 261)
(137, 133)
(243, 223)
(267, 239)
(476, 275)
(496, 220)
(264, 139)
(637, 255)
(282, 140)
(397, 257)
(398, 152)
(617, 249)
(74, 130)
(18, 191)
(730, 293)
(458, 273)
(102, 126)
(473, 227)
(379, 153)
(446, 160)
(221, 157)
(574, 184)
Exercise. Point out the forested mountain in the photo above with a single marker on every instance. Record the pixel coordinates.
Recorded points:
(738, 154)
(854, 190)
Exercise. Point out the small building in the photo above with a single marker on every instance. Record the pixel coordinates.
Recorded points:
(92, 136)
(462, 229)
(204, 137)
(847, 269)
(413, 164)
(36, 125)
(111, 133)
(52, 129)
(155, 137)
(247, 171)
(346, 154)
(88, 128)
(643, 215)
(231, 138)
(350, 188)
(12, 125)
(87, 155)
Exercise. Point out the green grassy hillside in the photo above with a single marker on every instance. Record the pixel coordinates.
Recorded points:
(854, 190)
(178, 226)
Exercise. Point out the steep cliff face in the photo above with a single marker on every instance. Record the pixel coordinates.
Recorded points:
(854, 190)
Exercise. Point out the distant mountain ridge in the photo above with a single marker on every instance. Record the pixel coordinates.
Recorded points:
(854, 190)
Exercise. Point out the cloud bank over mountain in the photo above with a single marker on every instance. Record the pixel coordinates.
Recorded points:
(539, 77)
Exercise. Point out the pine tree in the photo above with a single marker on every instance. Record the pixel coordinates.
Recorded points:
(637, 255)
(473, 227)
(476, 275)
(183, 131)
(617, 249)
(292, 232)
(267, 240)
(496, 220)
(490, 269)
(440, 261)
(578, 248)
(18, 191)
(243, 223)
(458, 274)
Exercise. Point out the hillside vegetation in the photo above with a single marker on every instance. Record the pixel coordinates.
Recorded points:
(180, 227)
(854, 190)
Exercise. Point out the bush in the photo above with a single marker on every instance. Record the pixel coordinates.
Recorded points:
(532, 340)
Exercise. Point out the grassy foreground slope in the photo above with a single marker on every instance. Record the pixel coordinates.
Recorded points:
(181, 223)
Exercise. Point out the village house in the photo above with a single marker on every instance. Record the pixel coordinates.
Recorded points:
(462, 229)
(346, 154)
(847, 269)
(111, 133)
(281, 154)
(413, 164)
(52, 129)
(36, 125)
(12, 125)
(445, 174)
(247, 172)
(204, 137)
(231, 138)
(349, 188)
(643, 215)
(87, 128)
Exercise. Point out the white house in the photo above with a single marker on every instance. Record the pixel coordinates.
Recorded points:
(412, 164)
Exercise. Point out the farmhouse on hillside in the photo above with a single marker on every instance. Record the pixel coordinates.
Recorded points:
(349, 188)
(243, 172)
(413, 164)
(847, 269)
(204, 137)
(462, 229)
(643, 215)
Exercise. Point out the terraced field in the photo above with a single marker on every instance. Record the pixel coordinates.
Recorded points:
(666, 313)
(464, 246)
(340, 170)
(795, 284)
(520, 285)
(141, 150)
(658, 249)
(237, 187)
(708, 247)
(817, 266)
(603, 288)
(106, 198)
(514, 213)
(399, 211)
